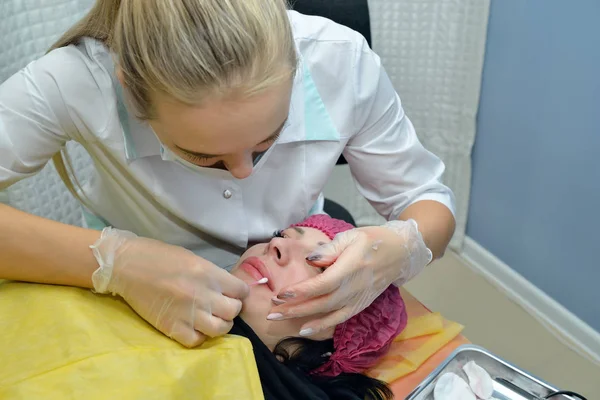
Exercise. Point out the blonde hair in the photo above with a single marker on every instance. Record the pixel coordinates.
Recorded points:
(190, 50)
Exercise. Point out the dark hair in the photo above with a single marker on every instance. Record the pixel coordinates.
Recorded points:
(304, 355)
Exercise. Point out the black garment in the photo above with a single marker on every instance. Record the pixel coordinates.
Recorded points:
(278, 381)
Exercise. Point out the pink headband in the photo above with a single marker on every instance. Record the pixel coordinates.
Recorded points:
(362, 340)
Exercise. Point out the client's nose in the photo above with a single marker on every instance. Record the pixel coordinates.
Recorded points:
(279, 251)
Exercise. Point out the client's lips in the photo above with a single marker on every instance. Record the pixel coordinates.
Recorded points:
(258, 270)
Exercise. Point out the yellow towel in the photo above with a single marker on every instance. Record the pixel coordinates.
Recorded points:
(420, 326)
(67, 343)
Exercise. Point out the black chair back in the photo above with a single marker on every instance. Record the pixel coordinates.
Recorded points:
(351, 13)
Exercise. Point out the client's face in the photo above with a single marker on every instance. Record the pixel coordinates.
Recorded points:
(283, 262)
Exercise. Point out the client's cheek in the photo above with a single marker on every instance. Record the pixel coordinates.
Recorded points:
(283, 329)
(297, 275)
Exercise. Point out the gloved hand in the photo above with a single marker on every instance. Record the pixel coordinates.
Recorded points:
(360, 264)
(182, 295)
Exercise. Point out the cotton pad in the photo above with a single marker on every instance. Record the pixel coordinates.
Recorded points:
(452, 387)
(480, 381)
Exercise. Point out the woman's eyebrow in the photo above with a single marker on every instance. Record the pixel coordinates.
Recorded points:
(196, 154)
(204, 155)
(299, 230)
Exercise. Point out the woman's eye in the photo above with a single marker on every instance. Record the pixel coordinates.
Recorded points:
(197, 159)
(273, 139)
(264, 146)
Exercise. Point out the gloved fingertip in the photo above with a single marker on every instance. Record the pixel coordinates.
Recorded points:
(275, 316)
(314, 257)
(245, 292)
(195, 339)
(321, 259)
(307, 332)
(277, 301)
(286, 295)
(191, 344)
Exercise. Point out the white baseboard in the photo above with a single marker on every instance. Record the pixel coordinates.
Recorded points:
(565, 325)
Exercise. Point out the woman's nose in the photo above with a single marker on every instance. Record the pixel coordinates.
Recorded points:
(240, 165)
(279, 251)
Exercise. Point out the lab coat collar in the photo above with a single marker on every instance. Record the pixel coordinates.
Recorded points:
(140, 141)
(309, 119)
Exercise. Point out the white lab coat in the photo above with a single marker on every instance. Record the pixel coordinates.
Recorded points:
(342, 102)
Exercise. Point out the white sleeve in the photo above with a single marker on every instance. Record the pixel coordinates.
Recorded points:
(33, 122)
(390, 166)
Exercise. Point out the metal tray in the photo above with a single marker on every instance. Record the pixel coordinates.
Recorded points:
(510, 382)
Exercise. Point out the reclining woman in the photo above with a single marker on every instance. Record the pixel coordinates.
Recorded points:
(330, 365)
(99, 340)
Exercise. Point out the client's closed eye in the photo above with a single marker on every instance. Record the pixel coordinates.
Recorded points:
(280, 234)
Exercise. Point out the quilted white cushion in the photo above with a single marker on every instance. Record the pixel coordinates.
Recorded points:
(27, 29)
(433, 51)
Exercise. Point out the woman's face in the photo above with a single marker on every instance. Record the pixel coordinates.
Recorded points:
(226, 133)
(283, 262)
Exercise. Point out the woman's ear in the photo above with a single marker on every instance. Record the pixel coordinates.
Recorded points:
(120, 75)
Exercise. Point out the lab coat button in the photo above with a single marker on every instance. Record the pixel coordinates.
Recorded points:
(227, 194)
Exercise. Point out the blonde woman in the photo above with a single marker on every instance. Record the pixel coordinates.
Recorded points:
(211, 123)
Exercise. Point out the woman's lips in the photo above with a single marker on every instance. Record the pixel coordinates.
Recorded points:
(257, 270)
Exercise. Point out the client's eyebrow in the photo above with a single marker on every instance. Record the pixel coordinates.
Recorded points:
(299, 230)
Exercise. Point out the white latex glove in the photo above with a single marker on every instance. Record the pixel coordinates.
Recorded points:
(182, 295)
(360, 264)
